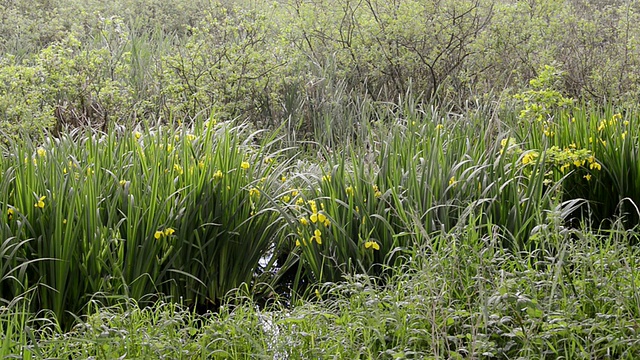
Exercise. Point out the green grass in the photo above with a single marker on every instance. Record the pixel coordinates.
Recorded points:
(259, 181)
(477, 250)
(577, 298)
(137, 213)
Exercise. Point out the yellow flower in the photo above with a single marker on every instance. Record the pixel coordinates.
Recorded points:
(452, 180)
(349, 190)
(297, 242)
(371, 244)
(300, 202)
(244, 165)
(595, 165)
(123, 182)
(177, 168)
(286, 198)
(254, 192)
(10, 214)
(191, 137)
(322, 218)
(312, 204)
(588, 177)
(40, 203)
(317, 236)
(623, 135)
(439, 127)
(64, 221)
(158, 234)
(168, 232)
(326, 178)
(625, 123)
(41, 152)
(217, 175)
(283, 179)
(169, 148)
(376, 192)
(314, 218)
(137, 135)
(304, 221)
(529, 157)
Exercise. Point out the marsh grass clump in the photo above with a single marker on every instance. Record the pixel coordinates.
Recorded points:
(136, 213)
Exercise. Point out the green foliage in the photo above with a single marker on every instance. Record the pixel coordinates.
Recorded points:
(611, 181)
(169, 211)
(315, 65)
(30, 112)
(408, 191)
(470, 299)
(595, 150)
(542, 100)
(228, 65)
(63, 84)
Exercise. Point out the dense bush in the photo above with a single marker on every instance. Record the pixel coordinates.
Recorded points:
(314, 63)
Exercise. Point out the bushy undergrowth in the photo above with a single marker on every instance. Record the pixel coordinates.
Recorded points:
(195, 211)
(575, 299)
(309, 63)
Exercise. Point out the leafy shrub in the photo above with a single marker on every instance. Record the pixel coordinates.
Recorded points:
(228, 65)
(63, 84)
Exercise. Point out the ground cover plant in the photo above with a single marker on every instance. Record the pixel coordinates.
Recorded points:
(338, 179)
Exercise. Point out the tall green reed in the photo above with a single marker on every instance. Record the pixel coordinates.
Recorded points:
(596, 151)
(180, 211)
(430, 175)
